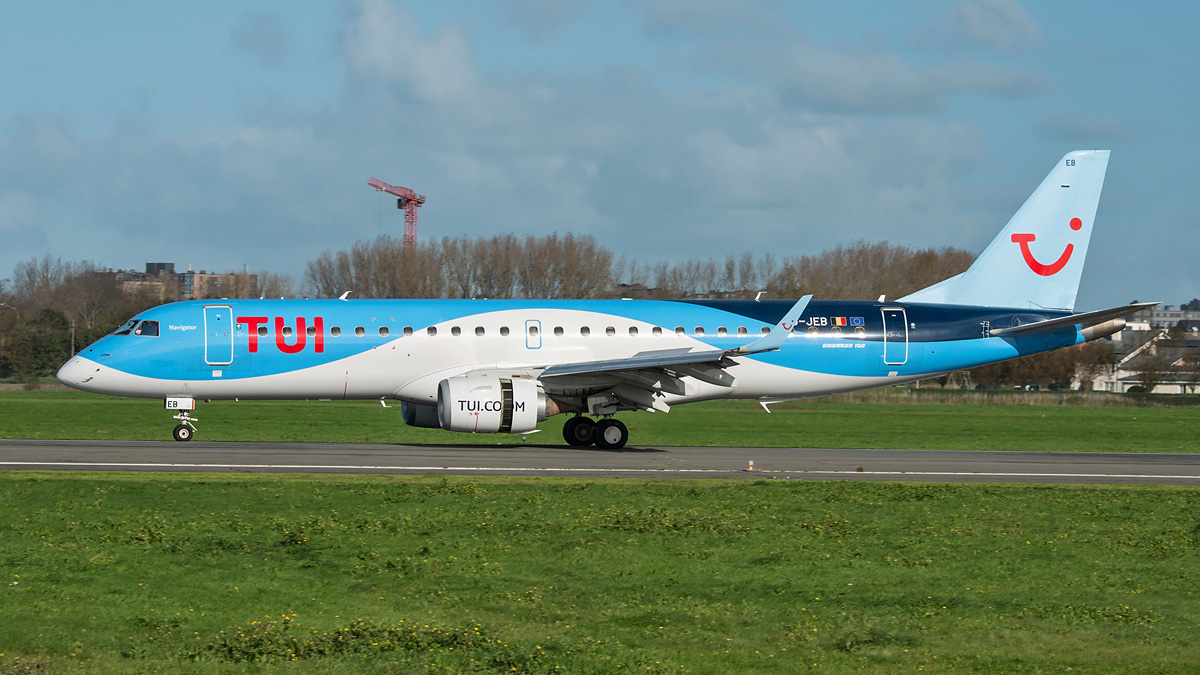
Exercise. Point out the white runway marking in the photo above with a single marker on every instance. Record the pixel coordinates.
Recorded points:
(328, 467)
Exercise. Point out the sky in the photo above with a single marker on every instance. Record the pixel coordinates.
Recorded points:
(227, 134)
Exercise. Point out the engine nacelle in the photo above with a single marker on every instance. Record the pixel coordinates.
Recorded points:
(489, 405)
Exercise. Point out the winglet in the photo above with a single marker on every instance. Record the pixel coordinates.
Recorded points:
(774, 340)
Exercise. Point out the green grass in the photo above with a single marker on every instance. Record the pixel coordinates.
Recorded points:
(121, 573)
(819, 423)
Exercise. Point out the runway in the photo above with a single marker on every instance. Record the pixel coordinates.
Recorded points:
(630, 462)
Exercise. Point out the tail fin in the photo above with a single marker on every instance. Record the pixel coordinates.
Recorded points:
(1037, 259)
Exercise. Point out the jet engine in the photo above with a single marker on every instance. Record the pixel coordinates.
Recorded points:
(483, 405)
(490, 404)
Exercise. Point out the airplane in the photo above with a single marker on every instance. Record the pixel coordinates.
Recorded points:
(502, 366)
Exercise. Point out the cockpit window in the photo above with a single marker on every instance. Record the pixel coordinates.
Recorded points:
(125, 328)
(147, 329)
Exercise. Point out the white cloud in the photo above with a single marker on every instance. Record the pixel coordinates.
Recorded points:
(1003, 24)
(382, 41)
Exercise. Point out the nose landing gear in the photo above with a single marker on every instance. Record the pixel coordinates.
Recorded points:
(185, 429)
(184, 404)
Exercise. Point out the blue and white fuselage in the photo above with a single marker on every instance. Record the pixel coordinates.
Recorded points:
(503, 365)
(287, 349)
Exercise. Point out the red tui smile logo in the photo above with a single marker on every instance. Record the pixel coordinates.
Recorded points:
(1042, 268)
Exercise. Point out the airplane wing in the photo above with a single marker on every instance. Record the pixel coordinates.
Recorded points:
(676, 357)
(643, 379)
(1084, 320)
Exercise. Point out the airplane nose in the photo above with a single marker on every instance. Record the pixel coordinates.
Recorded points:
(77, 372)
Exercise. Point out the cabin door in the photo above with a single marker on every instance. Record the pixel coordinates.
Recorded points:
(218, 335)
(895, 336)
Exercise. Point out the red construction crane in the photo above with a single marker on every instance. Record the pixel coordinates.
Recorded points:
(405, 199)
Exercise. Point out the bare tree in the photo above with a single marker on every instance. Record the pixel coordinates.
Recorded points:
(272, 285)
(1152, 365)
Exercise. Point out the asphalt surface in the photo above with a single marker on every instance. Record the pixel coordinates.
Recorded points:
(630, 462)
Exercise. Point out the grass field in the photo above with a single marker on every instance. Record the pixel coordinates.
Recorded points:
(123, 573)
(350, 574)
(819, 423)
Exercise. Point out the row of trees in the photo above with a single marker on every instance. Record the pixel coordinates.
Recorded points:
(503, 266)
(570, 266)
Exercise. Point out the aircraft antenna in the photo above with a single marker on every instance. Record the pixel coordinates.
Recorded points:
(407, 200)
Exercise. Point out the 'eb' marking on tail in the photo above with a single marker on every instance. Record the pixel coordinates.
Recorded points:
(1042, 268)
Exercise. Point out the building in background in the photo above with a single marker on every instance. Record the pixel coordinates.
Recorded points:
(161, 281)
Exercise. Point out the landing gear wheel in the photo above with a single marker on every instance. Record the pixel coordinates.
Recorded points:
(610, 434)
(182, 433)
(578, 431)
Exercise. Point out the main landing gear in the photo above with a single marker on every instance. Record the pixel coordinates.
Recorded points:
(608, 433)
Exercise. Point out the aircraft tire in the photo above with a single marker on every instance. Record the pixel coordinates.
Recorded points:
(579, 431)
(182, 433)
(611, 434)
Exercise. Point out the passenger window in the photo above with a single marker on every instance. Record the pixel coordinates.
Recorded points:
(558, 331)
(657, 330)
(679, 330)
(262, 331)
(633, 331)
(585, 331)
(836, 330)
(699, 331)
(504, 331)
(860, 332)
(335, 331)
(360, 331)
(812, 330)
(311, 331)
(533, 330)
(456, 331)
(383, 331)
(407, 331)
(742, 331)
(431, 331)
(721, 332)
(610, 331)
(479, 331)
(287, 331)
(765, 330)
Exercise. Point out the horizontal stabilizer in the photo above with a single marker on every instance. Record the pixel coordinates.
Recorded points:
(1083, 320)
